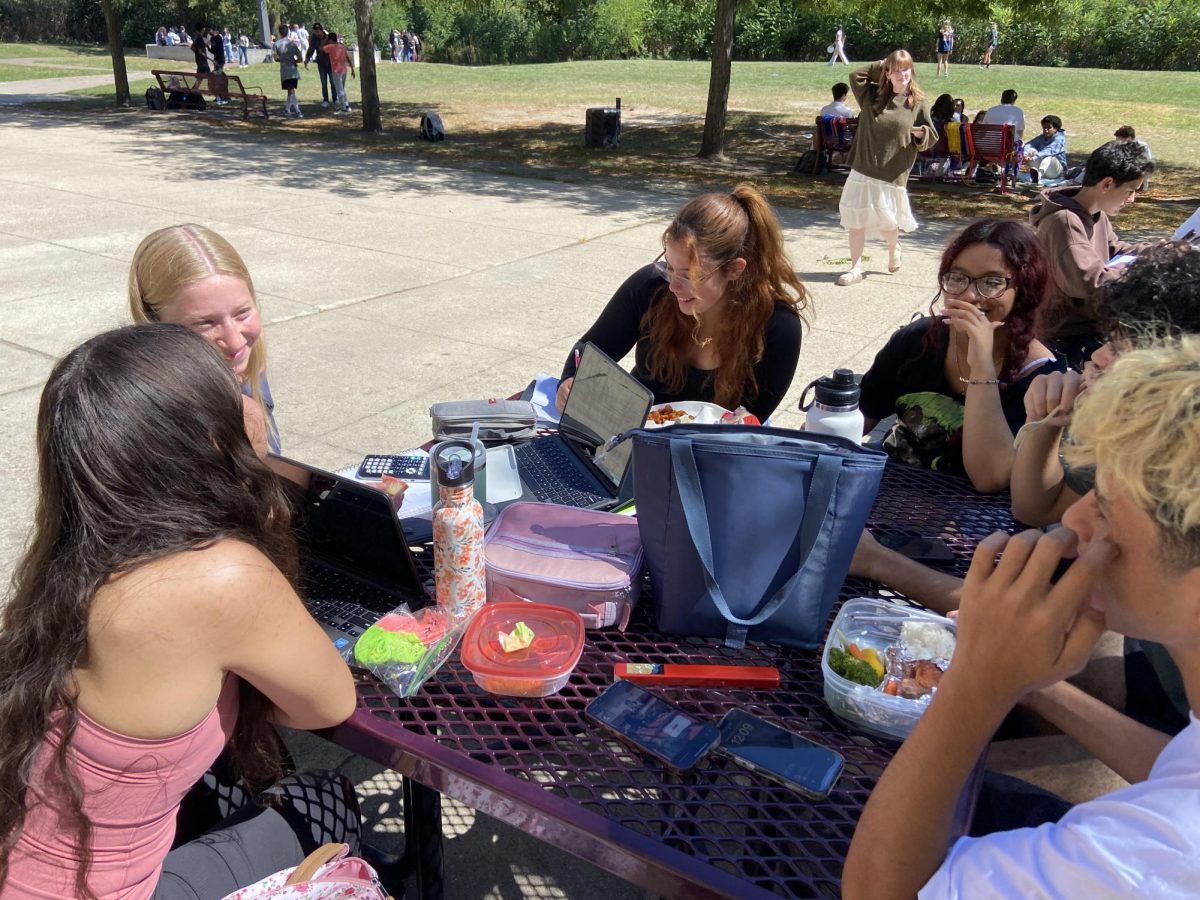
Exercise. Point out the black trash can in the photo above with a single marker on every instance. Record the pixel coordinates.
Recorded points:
(602, 129)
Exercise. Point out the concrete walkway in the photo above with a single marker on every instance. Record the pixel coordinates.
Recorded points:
(386, 285)
(43, 90)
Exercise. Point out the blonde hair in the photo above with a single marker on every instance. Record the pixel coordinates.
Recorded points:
(1140, 426)
(897, 59)
(171, 259)
(722, 228)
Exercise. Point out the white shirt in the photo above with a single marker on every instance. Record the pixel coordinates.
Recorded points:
(1141, 841)
(837, 108)
(1006, 114)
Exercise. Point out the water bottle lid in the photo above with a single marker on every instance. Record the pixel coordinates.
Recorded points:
(839, 391)
(455, 464)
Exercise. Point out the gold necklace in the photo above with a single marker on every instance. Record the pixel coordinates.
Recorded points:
(696, 339)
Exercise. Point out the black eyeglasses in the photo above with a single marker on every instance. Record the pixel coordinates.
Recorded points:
(989, 287)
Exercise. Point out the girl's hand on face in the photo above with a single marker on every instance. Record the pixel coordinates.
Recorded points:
(966, 318)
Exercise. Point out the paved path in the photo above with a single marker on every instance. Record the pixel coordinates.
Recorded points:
(386, 284)
(41, 90)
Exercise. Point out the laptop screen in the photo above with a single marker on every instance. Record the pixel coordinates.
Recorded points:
(350, 525)
(604, 401)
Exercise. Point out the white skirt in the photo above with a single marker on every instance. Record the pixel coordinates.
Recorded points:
(875, 205)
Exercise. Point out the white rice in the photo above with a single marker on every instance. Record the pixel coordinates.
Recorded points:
(927, 640)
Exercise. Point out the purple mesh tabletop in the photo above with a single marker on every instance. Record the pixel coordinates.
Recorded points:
(718, 831)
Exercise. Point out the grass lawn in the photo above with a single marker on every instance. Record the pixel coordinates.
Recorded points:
(530, 119)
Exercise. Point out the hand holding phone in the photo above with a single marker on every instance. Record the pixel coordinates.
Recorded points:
(652, 725)
(779, 754)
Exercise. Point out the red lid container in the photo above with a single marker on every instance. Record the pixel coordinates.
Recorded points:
(540, 669)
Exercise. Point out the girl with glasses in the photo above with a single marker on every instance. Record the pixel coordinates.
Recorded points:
(717, 317)
(956, 379)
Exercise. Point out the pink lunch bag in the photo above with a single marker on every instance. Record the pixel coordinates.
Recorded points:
(328, 873)
(582, 559)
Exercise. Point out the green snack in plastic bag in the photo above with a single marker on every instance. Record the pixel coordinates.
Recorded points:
(518, 639)
(378, 647)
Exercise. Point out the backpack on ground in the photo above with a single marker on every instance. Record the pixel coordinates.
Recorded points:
(811, 163)
(156, 99)
(431, 127)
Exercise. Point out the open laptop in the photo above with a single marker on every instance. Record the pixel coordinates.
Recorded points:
(605, 400)
(355, 565)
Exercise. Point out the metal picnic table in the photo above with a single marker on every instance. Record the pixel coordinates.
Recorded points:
(717, 831)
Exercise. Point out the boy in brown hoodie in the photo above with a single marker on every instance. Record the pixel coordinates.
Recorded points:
(1073, 225)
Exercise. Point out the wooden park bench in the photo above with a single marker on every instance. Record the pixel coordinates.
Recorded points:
(210, 85)
(971, 146)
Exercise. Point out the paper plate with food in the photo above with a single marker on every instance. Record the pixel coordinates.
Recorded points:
(685, 412)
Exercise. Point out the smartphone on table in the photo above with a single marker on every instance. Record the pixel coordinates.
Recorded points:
(650, 724)
(916, 547)
(781, 755)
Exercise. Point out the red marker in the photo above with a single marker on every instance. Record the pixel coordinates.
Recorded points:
(688, 675)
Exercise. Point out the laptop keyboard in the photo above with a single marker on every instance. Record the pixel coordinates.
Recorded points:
(554, 475)
(342, 602)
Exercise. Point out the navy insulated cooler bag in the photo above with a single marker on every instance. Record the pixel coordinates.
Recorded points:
(748, 531)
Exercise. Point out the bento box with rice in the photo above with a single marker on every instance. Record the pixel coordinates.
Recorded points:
(882, 664)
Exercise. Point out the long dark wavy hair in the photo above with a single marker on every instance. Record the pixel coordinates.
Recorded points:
(142, 453)
(722, 228)
(1030, 274)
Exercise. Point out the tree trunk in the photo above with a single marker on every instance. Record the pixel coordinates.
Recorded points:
(364, 13)
(112, 19)
(713, 142)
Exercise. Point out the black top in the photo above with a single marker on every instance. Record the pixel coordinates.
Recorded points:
(216, 43)
(909, 380)
(619, 329)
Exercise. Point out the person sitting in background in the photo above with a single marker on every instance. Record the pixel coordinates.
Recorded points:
(960, 110)
(1006, 112)
(1127, 133)
(717, 317)
(160, 36)
(172, 38)
(152, 621)
(1136, 537)
(190, 275)
(838, 107)
(1046, 154)
(956, 379)
(1073, 225)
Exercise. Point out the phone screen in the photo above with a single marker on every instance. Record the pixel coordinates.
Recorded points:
(653, 725)
(916, 547)
(790, 759)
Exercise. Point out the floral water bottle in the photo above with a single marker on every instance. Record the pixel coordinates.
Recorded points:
(457, 532)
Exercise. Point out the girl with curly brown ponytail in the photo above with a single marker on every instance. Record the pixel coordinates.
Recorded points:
(718, 317)
(151, 624)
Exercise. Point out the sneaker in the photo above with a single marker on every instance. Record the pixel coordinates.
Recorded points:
(324, 104)
(299, 115)
(854, 276)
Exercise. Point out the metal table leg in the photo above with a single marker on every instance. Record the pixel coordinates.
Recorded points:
(423, 838)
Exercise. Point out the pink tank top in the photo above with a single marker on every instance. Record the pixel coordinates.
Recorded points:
(132, 791)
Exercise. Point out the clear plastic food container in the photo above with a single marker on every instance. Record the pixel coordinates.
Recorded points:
(538, 670)
(869, 622)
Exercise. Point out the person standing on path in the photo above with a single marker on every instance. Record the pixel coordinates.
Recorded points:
(243, 49)
(839, 47)
(893, 125)
(200, 51)
(945, 46)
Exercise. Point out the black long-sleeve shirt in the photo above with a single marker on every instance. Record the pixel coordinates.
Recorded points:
(619, 329)
(315, 44)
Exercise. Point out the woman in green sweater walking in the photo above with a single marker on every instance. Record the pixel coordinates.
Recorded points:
(893, 125)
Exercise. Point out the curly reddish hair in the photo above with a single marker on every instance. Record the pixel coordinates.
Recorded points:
(1030, 273)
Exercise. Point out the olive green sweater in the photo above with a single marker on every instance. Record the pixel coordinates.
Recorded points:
(884, 147)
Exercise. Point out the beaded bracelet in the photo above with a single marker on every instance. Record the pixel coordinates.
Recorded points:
(978, 380)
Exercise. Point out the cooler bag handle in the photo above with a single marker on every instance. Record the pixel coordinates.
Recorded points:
(691, 497)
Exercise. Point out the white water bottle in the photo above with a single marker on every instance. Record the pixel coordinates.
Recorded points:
(834, 407)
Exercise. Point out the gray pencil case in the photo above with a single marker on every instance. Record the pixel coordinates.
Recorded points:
(499, 420)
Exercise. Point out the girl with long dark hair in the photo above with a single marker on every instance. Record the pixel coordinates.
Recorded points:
(151, 625)
(956, 379)
(717, 317)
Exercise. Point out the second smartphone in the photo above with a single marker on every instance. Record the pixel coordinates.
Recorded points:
(779, 754)
(652, 725)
